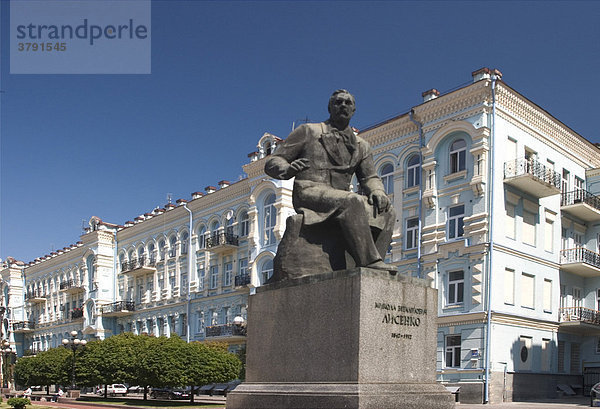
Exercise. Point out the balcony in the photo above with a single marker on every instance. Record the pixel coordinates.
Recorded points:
(76, 313)
(141, 265)
(581, 204)
(118, 309)
(23, 326)
(242, 280)
(580, 261)
(532, 177)
(579, 320)
(35, 297)
(222, 242)
(71, 287)
(227, 330)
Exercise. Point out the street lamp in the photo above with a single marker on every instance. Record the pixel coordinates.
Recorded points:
(73, 343)
(6, 355)
(240, 325)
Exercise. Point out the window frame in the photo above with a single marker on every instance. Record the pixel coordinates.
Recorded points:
(455, 294)
(458, 156)
(452, 351)
(413, 171)
(412, 233)
(387, 178)
(455, 224)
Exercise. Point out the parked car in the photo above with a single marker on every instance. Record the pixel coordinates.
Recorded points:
(135, 389)
(116, 389)
(170, 393)
(219, 388)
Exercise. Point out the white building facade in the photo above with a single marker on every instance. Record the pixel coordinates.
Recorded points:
(495, 203)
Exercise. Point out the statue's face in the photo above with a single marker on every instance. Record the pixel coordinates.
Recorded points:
(342, 107)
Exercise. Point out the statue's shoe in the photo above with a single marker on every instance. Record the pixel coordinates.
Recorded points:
(380, 265)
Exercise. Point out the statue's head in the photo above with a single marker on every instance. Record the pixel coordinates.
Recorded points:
(341, 105)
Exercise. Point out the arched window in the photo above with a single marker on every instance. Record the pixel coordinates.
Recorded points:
(229, 227)
(243, 224)
(201, 237)
(131, 255)
(458, 154)
(386, 172)
(161, 249)
(266, 271)
(184, 242)
(151, 253)
(91, 272)
(270, 219)
(413, 171)
(141, 252)
(172, 246)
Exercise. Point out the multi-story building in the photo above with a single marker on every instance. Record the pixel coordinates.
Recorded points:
(495, 202)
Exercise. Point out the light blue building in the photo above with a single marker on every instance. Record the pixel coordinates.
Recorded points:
(495, 202)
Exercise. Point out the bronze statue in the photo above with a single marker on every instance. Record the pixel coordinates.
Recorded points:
(323, 157)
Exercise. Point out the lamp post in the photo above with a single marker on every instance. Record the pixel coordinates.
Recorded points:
(74, 343)
(240, 325)
(6, 357)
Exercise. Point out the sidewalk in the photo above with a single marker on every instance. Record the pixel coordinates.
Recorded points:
(562, 403)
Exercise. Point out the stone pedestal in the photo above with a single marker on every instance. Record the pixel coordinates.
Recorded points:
(356, 338)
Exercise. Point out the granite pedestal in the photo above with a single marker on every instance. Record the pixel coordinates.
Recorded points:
(356, 338)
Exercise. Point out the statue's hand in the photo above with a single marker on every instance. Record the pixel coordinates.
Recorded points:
(298, 166)
(380, 200)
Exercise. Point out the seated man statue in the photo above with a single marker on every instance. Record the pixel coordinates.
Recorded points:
(323, 157)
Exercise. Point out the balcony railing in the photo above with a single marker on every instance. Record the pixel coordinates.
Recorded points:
(141, 264)
(35, 296)
(23, 326)
(76, 313)
(582, 204)
(227, 330)
(71, 286)
(221, 241)
(532, 176)
(118, 308)
(242, 279)
(580, 314)
(580, 261)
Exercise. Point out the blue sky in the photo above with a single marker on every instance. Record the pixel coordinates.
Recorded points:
(223, 73)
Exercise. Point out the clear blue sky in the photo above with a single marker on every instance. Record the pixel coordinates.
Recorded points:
(223, 73)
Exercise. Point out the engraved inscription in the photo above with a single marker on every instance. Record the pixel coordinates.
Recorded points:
(401, 315)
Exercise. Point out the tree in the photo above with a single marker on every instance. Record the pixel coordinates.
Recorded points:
(46, 368)
(210, 363)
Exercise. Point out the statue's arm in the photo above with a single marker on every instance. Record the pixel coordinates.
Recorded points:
(286, 162)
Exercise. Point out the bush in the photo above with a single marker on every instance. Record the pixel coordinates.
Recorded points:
(18, 403)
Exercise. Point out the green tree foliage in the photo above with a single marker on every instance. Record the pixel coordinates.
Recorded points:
(211, 363)
(46, 368)
(133, 359)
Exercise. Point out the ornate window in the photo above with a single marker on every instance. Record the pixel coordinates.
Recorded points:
(458, 155)
(184, 242)
(244, 224)
(386, 172)
(266, 271)
(270, 219)
(413, 171)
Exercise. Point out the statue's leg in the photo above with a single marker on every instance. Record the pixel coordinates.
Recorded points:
(383, 237)
(354, 223)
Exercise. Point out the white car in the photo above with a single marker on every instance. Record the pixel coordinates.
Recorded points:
(116, 389)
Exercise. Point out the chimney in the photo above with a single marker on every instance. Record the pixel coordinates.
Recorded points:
(431, 94)
(180, 202)
(253, 156)
(169, 206)
(210, 189)
(223, 184)
(197, 195)
(481, 74)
